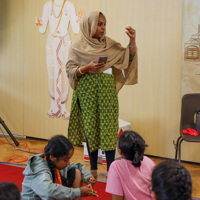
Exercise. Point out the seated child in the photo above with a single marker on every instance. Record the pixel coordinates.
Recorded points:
(130, 177)
(52, 176)
(9, 191)
(171, 181)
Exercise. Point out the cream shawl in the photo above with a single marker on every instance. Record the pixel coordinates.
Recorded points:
(87, 48)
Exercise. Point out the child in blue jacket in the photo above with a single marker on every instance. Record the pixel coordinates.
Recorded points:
(52, 176)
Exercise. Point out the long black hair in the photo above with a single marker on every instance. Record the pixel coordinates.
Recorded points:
(58, 146)
(132, 147)
(171, 181)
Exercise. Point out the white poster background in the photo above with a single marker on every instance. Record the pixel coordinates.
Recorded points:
(191, 47)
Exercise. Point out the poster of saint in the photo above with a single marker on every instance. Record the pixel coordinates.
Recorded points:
(58, 14)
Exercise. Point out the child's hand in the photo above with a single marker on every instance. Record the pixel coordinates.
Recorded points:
(91, 180)
(87, 191)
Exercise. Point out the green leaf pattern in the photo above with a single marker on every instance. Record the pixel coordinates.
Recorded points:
(98, 118)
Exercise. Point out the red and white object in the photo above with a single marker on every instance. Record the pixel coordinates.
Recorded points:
(123, 126)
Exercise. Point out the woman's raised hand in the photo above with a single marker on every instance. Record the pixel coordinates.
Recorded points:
(131, 33)
(87, 191)
(95, 67)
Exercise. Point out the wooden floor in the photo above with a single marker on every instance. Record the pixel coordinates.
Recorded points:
(7, 151)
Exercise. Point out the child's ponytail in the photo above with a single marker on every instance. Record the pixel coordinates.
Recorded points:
(137, 158)
(51, 167)
(132, 147)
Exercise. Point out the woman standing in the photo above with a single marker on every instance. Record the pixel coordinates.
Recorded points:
(94, 110)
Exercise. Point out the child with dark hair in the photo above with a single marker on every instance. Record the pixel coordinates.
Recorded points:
(130, 177)
(171, 181)
(9, 191)
(52, 176)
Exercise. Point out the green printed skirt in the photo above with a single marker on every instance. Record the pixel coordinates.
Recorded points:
(94, 112)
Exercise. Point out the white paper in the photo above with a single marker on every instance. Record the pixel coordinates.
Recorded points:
(123, 73)
(108, 71)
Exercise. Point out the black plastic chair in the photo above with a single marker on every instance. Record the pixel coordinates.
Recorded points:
(190, 104)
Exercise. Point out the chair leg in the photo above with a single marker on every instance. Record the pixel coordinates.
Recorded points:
(176, 147)
(179, 151)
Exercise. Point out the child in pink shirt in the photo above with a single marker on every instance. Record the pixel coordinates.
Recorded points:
(130, 177)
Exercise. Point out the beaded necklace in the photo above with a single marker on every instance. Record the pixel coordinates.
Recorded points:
(61, 10)
(57, 4)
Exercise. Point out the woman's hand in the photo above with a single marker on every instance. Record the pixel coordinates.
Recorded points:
(87, 191)
(91, 180)
(132, 35)
(95, 67)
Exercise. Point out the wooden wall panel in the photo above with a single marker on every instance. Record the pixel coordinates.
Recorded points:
(11, 65)
(37, 100)
(152, 106)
